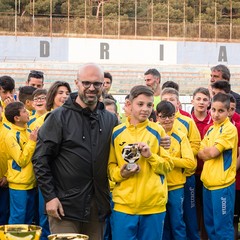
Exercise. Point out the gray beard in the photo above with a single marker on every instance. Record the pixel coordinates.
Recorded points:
(87, 102)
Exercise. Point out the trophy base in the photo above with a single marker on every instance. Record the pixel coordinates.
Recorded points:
(131, 166)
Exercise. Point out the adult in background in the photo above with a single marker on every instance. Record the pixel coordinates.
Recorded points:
(71, 157)
(35, 79)
(221, 72)
(152, 79)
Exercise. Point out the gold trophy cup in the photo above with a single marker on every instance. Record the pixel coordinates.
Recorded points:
(131, 154)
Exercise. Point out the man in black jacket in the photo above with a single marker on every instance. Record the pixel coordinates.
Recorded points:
(71, 157)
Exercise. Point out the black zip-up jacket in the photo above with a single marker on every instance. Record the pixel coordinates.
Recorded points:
(71, 157)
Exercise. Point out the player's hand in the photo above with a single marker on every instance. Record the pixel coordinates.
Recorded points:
(33, 134)
(126, 173)
(54, 208)
(165, 142)
(144, 149)
(9, 100)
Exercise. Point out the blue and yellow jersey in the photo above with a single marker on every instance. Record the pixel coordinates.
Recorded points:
(220, 172)
(3, 156)
(4, 119)
(188, 126)
(182, 158)
(36, 121)
(146, 191)
(31, 113)
(20, 149)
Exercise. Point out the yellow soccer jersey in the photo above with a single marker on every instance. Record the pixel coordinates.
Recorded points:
(146, 191)
(188, 126)
(3, 156)
(182, 158)
(36, 121)
(220, 172)
(20, 149)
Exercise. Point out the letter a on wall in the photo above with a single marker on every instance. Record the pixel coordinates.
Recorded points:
(222, 56)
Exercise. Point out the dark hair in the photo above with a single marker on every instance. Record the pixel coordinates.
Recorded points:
(154, 72)
(52, 92)
(166, 108)
(153, 116)
(26, 93)
(232, 98)
(7, 83)
(12, 110)
(224, 70)
(127, 96)
(222, 85)
(223, 98)
(39, 91)
(170, 84)
(202, 90)
(35, 74)
(108, 75)
(140, 89)
(109, 102)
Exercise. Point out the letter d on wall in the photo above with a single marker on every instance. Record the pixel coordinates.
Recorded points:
(44, 49)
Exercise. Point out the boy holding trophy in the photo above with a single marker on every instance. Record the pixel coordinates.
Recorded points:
(138, 165)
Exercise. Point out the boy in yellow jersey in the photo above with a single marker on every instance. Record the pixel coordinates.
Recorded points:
(25, 96)
(7, 91)
(140, 193)
(187, 126)
(19, 146)
(39, 104)
(4, 191)
(218, 150)
(174, 226)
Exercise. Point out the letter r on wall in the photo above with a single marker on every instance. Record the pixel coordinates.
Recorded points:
(104, 51)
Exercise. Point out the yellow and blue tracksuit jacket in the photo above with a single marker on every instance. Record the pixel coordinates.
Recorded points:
(20, 149)
(220, 172)
(146, 191)
(181, 157)
(188, 126)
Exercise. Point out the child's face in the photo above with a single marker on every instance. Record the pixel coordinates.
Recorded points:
(171, 98)
(141, 108)
(219, 112)
(200, 102)
(4, 94)
(24, 116)
(126, 108)
(166, 121)
(215, 91)
(232, 109)
(39, 102)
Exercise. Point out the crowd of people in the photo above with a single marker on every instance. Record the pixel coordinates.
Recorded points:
(70, 162)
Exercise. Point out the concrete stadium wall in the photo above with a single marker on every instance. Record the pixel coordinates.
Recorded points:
(187, 63)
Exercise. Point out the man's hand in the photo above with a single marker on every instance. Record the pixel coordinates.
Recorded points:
(165, 142)
(54, 208)
(125, 173)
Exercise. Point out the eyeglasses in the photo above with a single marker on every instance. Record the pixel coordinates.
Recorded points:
(36, 99)
(87, 84)
(164, 117)
(38, 73)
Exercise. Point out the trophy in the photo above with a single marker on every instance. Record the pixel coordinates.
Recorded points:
(131, 154)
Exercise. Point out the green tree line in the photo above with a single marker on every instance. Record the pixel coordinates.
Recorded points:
(146, 10)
